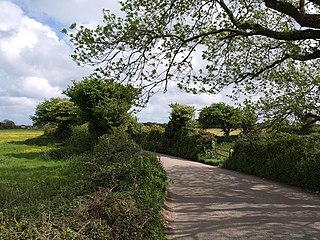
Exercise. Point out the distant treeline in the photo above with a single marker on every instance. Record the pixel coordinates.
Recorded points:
(9, 124)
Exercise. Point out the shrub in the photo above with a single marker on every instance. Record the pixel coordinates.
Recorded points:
(292, 159)
(227, 139)
(130, 186)
(81, 138)
(151, 138)
(182, 121)
(79, 141)
(104, 104)
(194, 147)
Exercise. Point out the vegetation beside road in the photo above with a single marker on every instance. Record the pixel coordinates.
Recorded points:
(88, 179)
(182, 137)
(288, 154)
(287, 158)
(49, 190)
(32, 186)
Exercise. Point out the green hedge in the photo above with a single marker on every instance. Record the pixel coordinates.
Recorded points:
(288, 158)
(192, 147)
(189, 147)
(130, 185)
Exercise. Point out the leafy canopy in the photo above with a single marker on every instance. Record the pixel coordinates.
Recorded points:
(220, 115)
(242, 43)
(103, 104)
(294, 96)
(248, 118)
(181, 121)
(57, 111)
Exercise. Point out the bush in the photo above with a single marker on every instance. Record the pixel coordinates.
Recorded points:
(81, 138)
(292, 159)
(130, 187)
(116, 147)
(194, 147)
(151, 138)
(227, 139)
(190, 147)
(79, 141)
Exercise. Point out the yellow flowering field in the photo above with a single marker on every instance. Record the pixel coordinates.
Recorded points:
(18, 135)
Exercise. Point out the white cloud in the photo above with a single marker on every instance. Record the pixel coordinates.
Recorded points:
(86, 12)
(35, 58)
(10, 16)
(34, 63)
(39, 88)
(24, 37)
(16, 102)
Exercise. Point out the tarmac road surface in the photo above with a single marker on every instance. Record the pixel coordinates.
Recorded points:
(206, 202)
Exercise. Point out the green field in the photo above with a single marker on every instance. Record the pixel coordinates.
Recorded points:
(219, 132)
(29, 181)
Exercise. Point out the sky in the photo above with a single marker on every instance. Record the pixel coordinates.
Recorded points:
(35, 62)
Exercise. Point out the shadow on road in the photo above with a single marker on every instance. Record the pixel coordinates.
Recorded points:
(214, 203)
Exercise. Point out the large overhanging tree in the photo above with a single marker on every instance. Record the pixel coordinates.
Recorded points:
(294, 96)
(203, 45)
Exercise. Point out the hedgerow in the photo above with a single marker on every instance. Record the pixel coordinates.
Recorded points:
(134, 186)
(288, 158)
(197, 146)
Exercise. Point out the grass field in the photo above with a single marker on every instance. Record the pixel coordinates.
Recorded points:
(219, 132)
(28, 180)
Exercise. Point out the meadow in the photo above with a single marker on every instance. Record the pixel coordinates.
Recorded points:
(30, 181)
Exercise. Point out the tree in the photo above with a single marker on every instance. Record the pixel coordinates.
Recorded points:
(220, 114)
(60, 112)
(103, 104)
(7, 124)
(243, 43)
(294, 96)
(181, 121)
(248, 118)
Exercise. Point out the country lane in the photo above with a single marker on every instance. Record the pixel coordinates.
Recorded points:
(206, 202)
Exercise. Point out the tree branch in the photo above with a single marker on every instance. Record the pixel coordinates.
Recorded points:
(302, 6)
(257, 29)
(304, 19)
(252, 75)
(308, 56)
